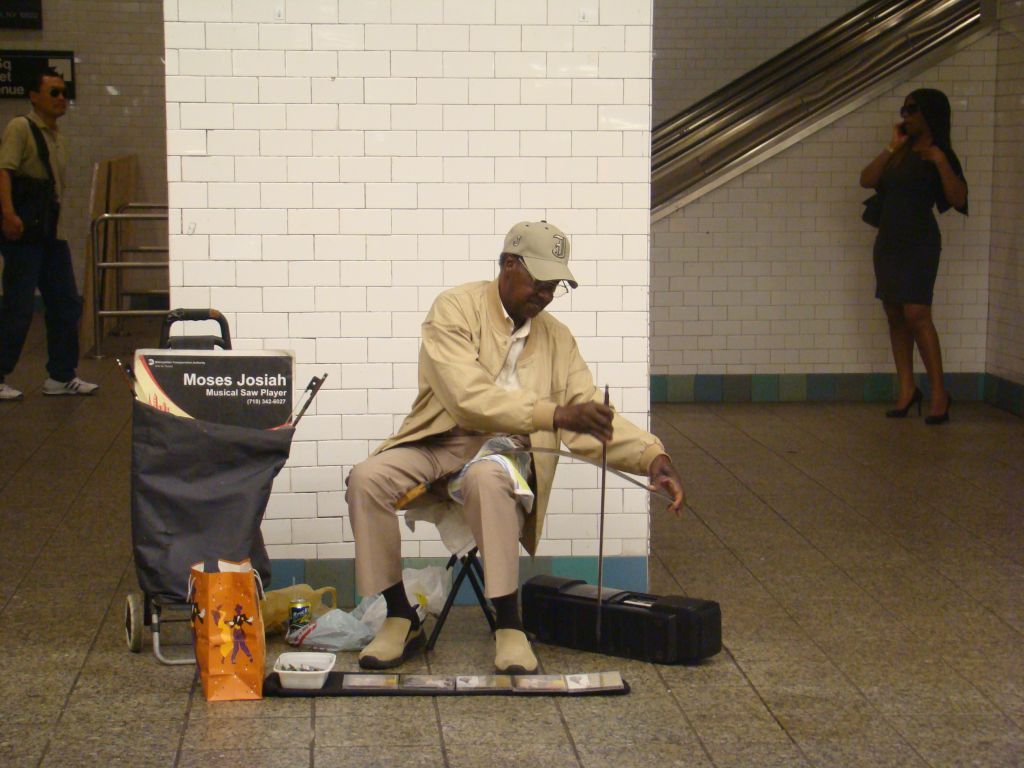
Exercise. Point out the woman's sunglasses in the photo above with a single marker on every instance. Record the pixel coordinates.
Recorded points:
(909, 109)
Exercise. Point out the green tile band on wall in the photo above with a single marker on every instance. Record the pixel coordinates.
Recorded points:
(792, 387)
(849, 387)
(823, 387)
(707, 388)
(659, 388)
(628, 573)
(1008, 395)
(879, 387)
(737, 389)
(764, 388)
(680, 389)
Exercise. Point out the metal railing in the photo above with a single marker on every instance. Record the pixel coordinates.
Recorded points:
(120, 250)
(118, 266)
(811, 83)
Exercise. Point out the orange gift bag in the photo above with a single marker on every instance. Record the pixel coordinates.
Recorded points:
(228, 630)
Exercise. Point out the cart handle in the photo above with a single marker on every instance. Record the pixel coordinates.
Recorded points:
(179, 315)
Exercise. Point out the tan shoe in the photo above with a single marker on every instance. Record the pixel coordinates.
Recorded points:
(392, 645)
(513, 654)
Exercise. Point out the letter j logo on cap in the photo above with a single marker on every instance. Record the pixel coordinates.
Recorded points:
(558, 251)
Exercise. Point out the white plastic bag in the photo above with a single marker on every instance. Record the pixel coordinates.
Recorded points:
(336, 630)
(372, 610)
(427, 588)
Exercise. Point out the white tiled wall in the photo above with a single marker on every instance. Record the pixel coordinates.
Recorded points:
(771, 272)
(333, 165)
(701, 46)
(1006, 282)
(119, 106)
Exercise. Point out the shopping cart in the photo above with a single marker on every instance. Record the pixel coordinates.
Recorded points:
(198, 493)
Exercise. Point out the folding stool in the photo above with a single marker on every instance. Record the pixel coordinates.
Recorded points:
(471, 569)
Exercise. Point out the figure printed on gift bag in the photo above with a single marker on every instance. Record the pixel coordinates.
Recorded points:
(198, 615)
(225, 643)
(237, 624)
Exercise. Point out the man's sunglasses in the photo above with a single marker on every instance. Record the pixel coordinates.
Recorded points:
(909, 109)
(55, 92)
(556, 288)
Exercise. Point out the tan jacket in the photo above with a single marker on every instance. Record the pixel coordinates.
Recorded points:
(465, 342)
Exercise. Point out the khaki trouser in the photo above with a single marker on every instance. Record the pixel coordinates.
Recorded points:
(490, 507)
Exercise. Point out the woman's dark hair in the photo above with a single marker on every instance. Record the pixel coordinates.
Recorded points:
(935, 108)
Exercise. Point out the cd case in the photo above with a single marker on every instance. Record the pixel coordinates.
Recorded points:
(385, 684)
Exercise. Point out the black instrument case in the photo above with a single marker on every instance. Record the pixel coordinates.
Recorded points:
(665, 630)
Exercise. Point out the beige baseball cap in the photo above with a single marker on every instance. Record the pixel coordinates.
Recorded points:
(544, 249)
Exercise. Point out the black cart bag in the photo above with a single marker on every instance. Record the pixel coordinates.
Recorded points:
(199, 491)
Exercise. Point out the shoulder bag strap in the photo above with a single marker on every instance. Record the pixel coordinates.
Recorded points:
(42, 148)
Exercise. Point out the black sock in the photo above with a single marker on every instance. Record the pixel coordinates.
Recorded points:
(507, 609)
(398, 604)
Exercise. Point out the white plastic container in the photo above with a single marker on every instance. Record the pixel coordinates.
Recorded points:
(308, 670)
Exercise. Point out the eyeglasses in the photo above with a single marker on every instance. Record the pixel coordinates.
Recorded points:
(909, 109)
(557, 288)
(55, 92)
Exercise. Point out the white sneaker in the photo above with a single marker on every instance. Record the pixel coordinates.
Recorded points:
(7, 392)
(74, 387)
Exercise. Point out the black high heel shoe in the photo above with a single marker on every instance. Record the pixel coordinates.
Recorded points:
(899, 413)
(943, 417)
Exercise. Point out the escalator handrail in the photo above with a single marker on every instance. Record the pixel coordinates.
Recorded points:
(739, 120)
(748, 93)
(864, 17)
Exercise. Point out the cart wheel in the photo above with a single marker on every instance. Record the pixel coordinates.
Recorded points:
(134, 610)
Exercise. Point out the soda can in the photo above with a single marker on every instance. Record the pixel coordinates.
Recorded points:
(300, 613)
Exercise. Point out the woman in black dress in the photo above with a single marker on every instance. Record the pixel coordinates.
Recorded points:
(916, 171)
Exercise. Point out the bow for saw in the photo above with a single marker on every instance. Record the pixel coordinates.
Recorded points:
(600, 530)
(423, 488)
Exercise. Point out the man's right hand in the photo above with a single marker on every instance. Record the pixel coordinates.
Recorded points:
(590, 418)
(13, 227)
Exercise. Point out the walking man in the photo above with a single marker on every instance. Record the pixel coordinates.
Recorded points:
(33, 157)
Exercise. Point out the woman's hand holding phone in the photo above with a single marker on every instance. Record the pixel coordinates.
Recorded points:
(899, 135)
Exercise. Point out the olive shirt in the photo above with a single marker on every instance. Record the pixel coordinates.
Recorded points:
(466, 340)
(20, 155)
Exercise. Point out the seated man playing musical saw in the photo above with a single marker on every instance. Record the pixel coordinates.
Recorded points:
(492, 362)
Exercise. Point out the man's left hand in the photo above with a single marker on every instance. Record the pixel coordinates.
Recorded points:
(664, 477)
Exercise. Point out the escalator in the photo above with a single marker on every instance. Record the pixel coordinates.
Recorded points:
(853, 60)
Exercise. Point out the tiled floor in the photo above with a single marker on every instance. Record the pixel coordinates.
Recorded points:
(871, 575)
